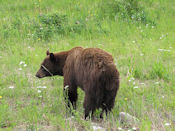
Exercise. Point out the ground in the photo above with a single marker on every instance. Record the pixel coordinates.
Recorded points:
(142, 43)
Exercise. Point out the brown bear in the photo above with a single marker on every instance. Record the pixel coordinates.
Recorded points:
(92, 69)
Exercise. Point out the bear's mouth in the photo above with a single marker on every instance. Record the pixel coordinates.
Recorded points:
(38, 76)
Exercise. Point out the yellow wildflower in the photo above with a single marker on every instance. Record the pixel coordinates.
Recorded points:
(0, 97)
(126, 99)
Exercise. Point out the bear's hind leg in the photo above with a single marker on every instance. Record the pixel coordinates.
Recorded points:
(109, 96)
(89, 105)
(108, 102)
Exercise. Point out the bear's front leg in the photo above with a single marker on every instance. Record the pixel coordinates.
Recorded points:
(70, 94)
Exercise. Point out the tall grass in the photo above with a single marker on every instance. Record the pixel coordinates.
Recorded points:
(139, 35)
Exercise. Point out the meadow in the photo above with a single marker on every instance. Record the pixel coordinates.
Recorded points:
(140, 34)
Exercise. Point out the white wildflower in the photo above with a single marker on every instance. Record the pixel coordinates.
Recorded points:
(38, 87)
(134, 128)
(25, 65)
(167, 124)
(156, 83)
(132, 16)
(21, 62)
(142, 83)
(132, 78)
(43, 87)
(167, 50)
(39, 91)
(164, 50)
(119, 128)
(19, 69)
(135, 87)
(97, 128)
(161, 49)
(141, 54)
(162, 36)
(11, 87)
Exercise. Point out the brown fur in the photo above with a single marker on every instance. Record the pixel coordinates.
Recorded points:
(92, 69)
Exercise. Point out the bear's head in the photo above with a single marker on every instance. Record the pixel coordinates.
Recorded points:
(49, 66)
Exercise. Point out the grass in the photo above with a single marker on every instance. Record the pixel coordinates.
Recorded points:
(139, 35)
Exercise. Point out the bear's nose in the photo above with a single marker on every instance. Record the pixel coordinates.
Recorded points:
(37, 75)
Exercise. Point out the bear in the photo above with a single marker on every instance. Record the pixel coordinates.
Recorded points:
(91, 69)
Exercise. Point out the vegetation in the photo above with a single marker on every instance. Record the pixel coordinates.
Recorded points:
(138, 33)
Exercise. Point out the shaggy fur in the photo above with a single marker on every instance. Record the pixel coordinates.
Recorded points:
(92, 69)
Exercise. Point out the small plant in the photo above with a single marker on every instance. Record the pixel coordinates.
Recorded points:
(51, 24)
(54, 20)
(77, 26)
(31, 127)
(16, 23)
(5, 120)
(127, 10)
(137, 73)
(48, 25)
(159, 71)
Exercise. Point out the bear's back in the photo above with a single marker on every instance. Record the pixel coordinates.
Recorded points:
(89, 59)
(96, 54)
(96, 58)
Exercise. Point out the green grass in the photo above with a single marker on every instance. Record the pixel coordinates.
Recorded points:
(134, 33)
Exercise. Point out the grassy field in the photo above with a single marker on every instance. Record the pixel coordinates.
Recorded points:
(140, 34)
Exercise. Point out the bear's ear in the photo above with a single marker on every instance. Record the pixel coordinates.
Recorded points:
(52, 57)
(47, 52)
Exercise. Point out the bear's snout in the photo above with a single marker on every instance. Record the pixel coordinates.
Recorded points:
(38, 75)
